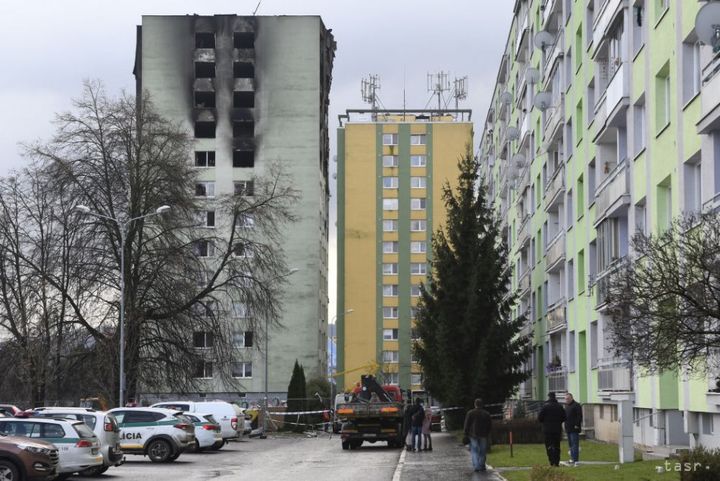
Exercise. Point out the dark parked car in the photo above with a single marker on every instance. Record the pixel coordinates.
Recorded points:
(23, 459)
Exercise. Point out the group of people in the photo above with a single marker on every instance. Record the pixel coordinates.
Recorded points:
(418, 424)
(478, 424)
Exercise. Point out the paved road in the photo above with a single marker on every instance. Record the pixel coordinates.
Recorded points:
(284, 457)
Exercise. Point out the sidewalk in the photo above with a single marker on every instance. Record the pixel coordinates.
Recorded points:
(448, 461)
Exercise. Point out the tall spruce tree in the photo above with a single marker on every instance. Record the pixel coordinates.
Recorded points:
(470, 347)
(296, 394)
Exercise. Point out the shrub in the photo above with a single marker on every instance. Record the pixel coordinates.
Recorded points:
(548, 473)
(700, 464)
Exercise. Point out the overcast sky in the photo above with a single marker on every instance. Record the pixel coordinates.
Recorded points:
(51, 46)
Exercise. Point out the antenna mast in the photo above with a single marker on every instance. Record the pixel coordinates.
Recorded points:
(438, 84)
(368, 88)
(460, 90)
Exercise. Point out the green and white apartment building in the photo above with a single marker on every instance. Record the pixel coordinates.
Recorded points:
(605, 120)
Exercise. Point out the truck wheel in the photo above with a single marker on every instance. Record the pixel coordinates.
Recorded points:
(159, 451)
(346, 445)
(8, 471)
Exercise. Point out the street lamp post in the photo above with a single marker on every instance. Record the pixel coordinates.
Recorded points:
(123, 227)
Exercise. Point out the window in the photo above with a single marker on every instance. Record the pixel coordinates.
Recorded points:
(416, 379)
(390, 269)
(639, 123)
(390, 182)
(204, 248)
(661, 7)
(418, 247)
(390, 247)
(418, 160)
(418, 182)
(664, 204)
(390, 225)
(418, 204)
(204, 130)
(245, 188)
(418, 225)
(579, 128)
(391, 378)
(581, 272)
(693, 182)
(591, 182)
(204, 69)
(390, 139)
(569, 144)
(243, 129)
(244, 39)
(707, 423)
(414, 335)
(418, 139)
(594, 344)
(243, 249)
(243, 338)
(205, 159)
(240, 310)
(415, 290)
(390, 290)
(243, 159)
(207, 218)
(204, 100)
(571, 351)
(241, 370)
(246, 221)
(662, 98)
(243, 100)
(204, 40)
(205, 189)
(391, 357)
(418, 268)
(203, 339)
(390, 312)
(390, 204)
(578, 47)
(580, 196)
(243, 70)
(638, 26)
(570, 288)
(390, 334)
(390, 160)
(641, 217)
(692, 69)
(716, 161)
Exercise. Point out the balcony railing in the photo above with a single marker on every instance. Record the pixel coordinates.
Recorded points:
(555, 252)
(552, 54)
(555, 116)
(602, 285)
(555, 187)
(523, 233)
(612, 192)
(522, 32)
(547, 8)
(557, 380)
(614, 375)
(524, 281)
(604, 15)
(556, 316)
(710, 94)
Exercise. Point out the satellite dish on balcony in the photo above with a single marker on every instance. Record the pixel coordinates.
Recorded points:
(532, 75)
(513, 133)
(543, 39)
(542, 101)
(506, 98)
(519, 160)
(707, 25)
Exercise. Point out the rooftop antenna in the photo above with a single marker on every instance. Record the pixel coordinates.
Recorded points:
(460, 90)
(368, 88)
(257, 8)
(438, 84)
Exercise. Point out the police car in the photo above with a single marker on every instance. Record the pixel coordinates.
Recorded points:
(160, 434)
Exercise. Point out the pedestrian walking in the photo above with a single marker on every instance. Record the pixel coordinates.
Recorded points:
(417, 415)
(552, 416)
(477, 429)
(573, 426)
(407, 425)
(426, 427)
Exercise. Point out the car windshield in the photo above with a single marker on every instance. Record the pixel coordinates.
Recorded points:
(211, 419)
(83, 431)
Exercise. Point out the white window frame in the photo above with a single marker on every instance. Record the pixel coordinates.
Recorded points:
(391, 312)
(391, 334)
(390, 183)
(418, 139)
(205, 375)
(209, 189)
(206, 161)
(414, 290)
(390, 357)
(418, 161)
(416, 376)
(390, 139)
(418, 182)
(418, 203)
(244, 369)
(418, 268)
(418, 225)
(390, 161)
(390, 269)
(209, 250)
(204, 219)
(390, 247)
(418, 247)
(390, 290)
(390, 223)
(390, 204)
(240, 339)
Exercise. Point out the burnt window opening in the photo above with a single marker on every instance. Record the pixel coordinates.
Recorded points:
(204, 69)
(244, 39)
(205, 100)
(243, 70)
(243, 129)
(243, 158)
(204, 130)
(243, 100)
(205, 158)
(204, 40)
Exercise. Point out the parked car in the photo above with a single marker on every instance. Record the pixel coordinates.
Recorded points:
(103, 424)
(208, 432)
(160, 434)
(223, 412)
(27, 460)
(78, 447)
(243, 415)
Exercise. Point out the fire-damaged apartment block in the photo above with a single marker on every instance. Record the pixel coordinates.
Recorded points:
(254, 92)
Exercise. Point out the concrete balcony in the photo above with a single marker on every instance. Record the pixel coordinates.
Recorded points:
(607, 11)
(521, 43)
(523, 233)
(555, 117)
(555, 255)
(552, 55)
(524, 283)
(613, 193)
(554, 189)
(525, 131)
(556, 318)
(557, 380)
(204, 55)
(602, 284)
(548, 7)
(710, 97)
(614, 375)
(614, 101)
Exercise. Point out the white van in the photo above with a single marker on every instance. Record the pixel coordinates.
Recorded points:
(223, 412)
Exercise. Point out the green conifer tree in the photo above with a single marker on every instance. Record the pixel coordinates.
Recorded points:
(296, 395)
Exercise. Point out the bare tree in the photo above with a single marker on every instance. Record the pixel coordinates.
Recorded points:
(666, 302)
(121, 159)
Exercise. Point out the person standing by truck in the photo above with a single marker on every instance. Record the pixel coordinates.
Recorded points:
(417, 416)
(426, 428)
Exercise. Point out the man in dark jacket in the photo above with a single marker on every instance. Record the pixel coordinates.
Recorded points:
(477, 428)
(552, 416)
(417, 415)
(573, 425)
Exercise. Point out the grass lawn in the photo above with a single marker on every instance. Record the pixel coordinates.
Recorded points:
(638, 471)
(532, 454)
